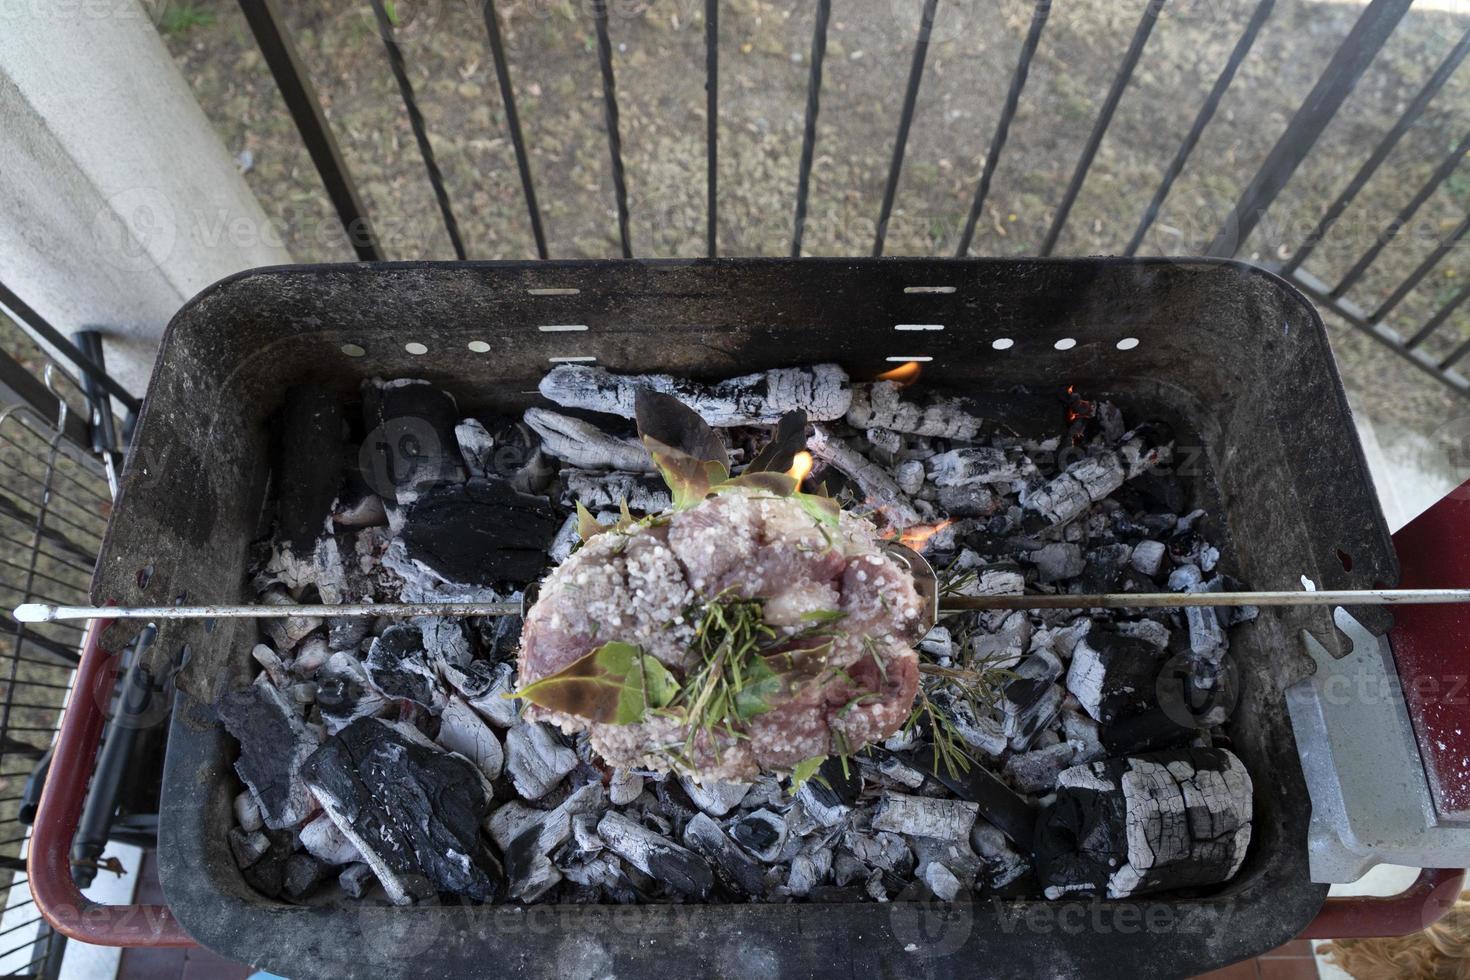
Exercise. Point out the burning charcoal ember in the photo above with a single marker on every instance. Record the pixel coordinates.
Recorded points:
(879, 405)
(303, 874)
(274, 742)
(413, 811)
(625, 787)
(885, 440)
(476, 447)
(1130, 826)
(608, 491)
(1028, 701)
(753, 399)
(923, 816)
(875, 483)
(1055, 562)
(997, 802)
(882, 850)
(345, 692)
(1002, 864)
(1076, 489)
(284, 634)
(910, 477)
(1112, 676)
(978, 464)
(762, 833)
(586, 446)
(1105, 567)
(462, 731)
(479, 533)
(248, 846)
(715, 799)
(247, 811)
(356, 879)
(970, 500)
(675, 867)
(400, 668)
(322, 840)
(536, 759)
(309, 465)
(941, 881)
(1036, 771)
(1148, 557)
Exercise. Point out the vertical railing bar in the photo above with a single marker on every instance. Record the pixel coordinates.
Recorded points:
(809, 130)
(712, 122)
(1206, 114)
(1381, 151)
(905, 120)
(513, 124)
(1439, 318)
(416, 122)
(311, 123)
(1003, 126)
(1338, 79)
(1423, 269)
(1442, 173)
(610, 114)
(1104, 119)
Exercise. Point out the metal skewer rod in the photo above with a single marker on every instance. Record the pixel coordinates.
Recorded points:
(36, 612)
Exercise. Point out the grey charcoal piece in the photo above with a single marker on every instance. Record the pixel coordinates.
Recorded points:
(1027, 724)
(880, 405)
(356, 879)
(1114, 676)
(413, 810)
(910, 476)
(1149, 630)
(822, 803)
(247, 811)
(716, 799)
(804, 876)
(1005, 645)
(937, 643)
(1148, 557)
(970, 500)
(445, 641)
(536, 759)
(924, 816)
(462, 730)
(475, 446)
(900, 772)
(735, 869)
(1080, 729)
(248, 846)
(820, 390)
(345, 692)
(286, 633)
(346, 632)
(671, 865)
(976, 464)
(1129, 826)
(1036, 771)
(1057, 561)
(762, 833)
(625, 787)
(310, 655)
(941, 881)
(495, 704)
(401, 668)
(303, 874)
(322, 840)
(274, 742)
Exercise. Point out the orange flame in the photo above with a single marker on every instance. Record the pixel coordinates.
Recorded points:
(801, 465)
(905, 374)
(918, 536)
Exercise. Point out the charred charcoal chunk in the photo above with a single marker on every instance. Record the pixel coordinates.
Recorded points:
(267, 873)
(1114, 676)
(832, 792)
(303, 874)
(1036, 771)
(735, 869)
(1057, 561)
(345, 692)
(536, 759)
(716, 799)
(410, 442)
(461, 730)
(480, 533)
(1153, 729)
(762, 833)
(924, 816)
(1130, 826)
(309, 469)
(274, 743)
(412, 810)
(248, 846)
(997, 802)
(356, 879)
(675, 867)
(400, 667)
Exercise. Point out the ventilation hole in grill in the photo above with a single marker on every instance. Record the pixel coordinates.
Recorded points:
(1002, 343)
(1346, 559)
(928, 289)
(1066, 343)
(577, 359)
(1308, 584)
(479, 347)
(145, 575)
(904, 358)
(414, 347)
(562, 327)
(353, 350)
(918, 326)
(553, 291)
(1128, 343)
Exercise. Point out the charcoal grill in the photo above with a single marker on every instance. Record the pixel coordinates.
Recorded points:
(1232, 356)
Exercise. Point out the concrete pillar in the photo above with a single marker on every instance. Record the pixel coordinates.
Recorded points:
(117, 200)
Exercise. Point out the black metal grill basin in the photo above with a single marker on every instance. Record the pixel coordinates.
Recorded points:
(1229, 352)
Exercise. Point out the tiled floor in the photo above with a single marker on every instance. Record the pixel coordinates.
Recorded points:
(1294, 961)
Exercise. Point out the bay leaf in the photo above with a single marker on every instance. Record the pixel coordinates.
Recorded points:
(617, 684)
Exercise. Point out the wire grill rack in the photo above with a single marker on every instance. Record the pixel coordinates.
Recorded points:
(54, 505)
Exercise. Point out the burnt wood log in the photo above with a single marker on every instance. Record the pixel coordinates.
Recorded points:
(875, 482)
(1114, 676)
(643, 493)
(1091, 479)
(753, 399)
(1129, 826)
(309, 467)
(274, 744)
(479, 533)
(879, 406)
(584, 445)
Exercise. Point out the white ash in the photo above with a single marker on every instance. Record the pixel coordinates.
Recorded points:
(585, 445)
(606, 491)
(462, 730)
(536, 759)
(879, 405)
(753, 399)
(625, 787)
(922, 816)
(978, 465)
